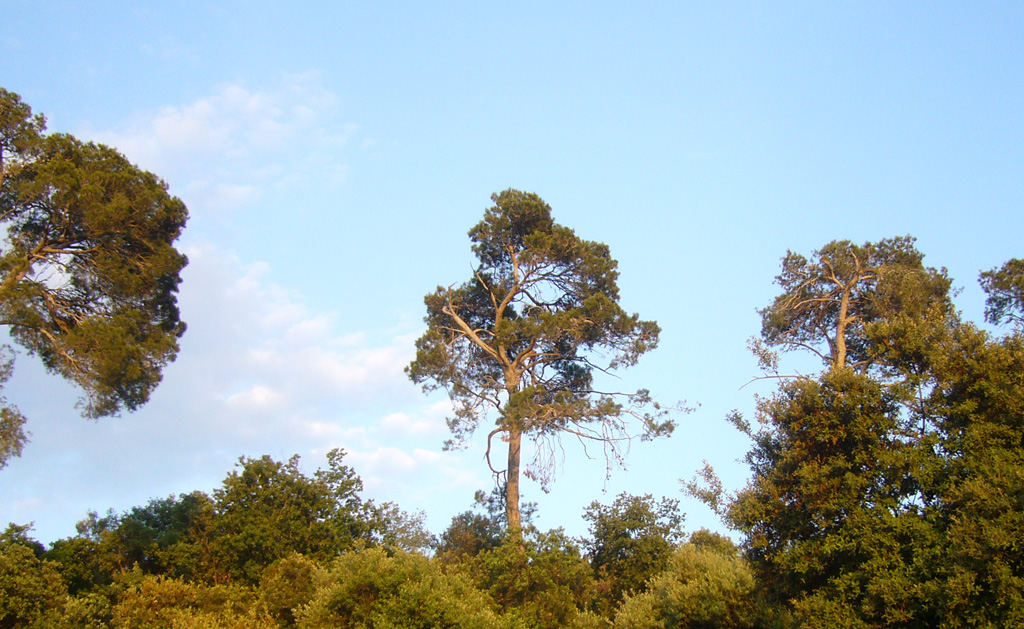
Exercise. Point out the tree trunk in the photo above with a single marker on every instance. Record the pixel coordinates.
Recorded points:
(515, 439)
(841, 322)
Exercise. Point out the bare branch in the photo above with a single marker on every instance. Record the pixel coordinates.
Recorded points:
(487, 454)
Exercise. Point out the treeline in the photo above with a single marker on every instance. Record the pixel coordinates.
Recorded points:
(273, 547)
(886, 490)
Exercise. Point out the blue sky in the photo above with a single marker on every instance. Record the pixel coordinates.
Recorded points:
(334, 155)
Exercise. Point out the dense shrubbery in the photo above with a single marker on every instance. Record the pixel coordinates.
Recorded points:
(273, 547)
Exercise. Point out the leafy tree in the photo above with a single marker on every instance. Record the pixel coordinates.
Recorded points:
(1005, 288)
(977, 404)
(468, 535)
(630, 541)
(471, 533)
(29, 586)
(891, 497)
(701, 586)
(833, 516)
(19, 534)
(12, 421)
(521, 339)
(91, 610)
(287, 585)
(829, 301)
(88, 273)
(80, 563)
(267, 510)
(541, 578)
(158, 538)
(263, 512)
(391, 527)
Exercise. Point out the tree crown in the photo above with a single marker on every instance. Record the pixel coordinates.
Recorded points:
(88, 271)
(523, 337)
(830, 301)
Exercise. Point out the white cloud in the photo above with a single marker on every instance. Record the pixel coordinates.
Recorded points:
(415, 474)
(386, 461)
(323, 430)
(231, 123)
(403, 424)
(266, 351)
(427, 456)
(258, 398)
(223, 195)
(238, 144)
(354, 434)
(260, 371)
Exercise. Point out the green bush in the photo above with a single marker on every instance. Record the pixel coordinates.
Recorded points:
(702, 587)
(369, 588)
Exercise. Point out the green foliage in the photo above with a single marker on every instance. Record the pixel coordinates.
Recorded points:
(19, 534)
(890, 496)
(88, 273)
(978, 406)
(886, 493)
(264, 511)
(630, 541)
(471, 533)
(702, 586)
(542, 579)
(829, 302)
(833, 509)
(156, 602)
(29, 586)
(522, 338)
(86, 611)
(392, 528)
(468, 535)
(287, 585)
(703, 539)
(1005, 288)
(168, 536)
(152, 537)
(267, 510)
(81, 562)
(370, 588)
(12, 421)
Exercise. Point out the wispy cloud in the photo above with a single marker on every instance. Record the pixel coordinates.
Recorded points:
(237, 144)
(258, 350)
